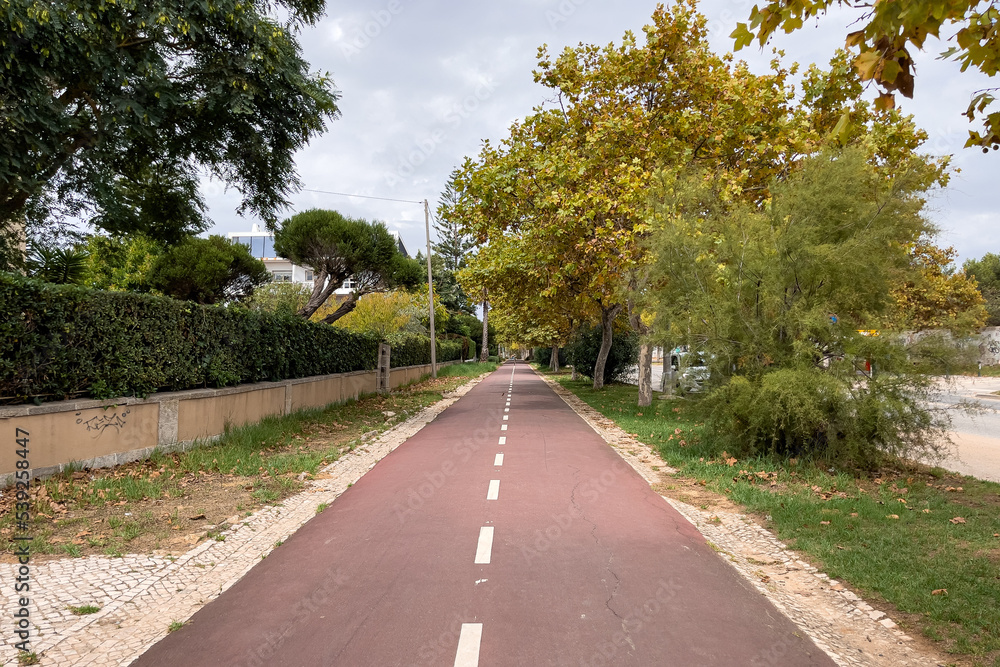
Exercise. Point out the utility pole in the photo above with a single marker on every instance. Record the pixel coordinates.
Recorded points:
(430, 289)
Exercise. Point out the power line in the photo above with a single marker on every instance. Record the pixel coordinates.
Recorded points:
(345, 194)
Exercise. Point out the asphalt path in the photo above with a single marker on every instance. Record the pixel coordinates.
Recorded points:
(492, 541)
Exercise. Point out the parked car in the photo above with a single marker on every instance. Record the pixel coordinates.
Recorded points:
(691, 370)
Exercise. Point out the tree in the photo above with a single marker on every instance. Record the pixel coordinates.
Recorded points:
(211, 270)
(450, 250)
(986, 273)
(889, 30)
(121, 263)
(337, 248)
(61, 266)
(386, 313)
(775, 297)
(122, 106)
(931, 294)
(574, 179)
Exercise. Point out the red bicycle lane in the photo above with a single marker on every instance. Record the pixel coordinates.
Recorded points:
(586, 566)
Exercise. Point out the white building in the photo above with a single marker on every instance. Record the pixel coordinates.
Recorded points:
(261, 245)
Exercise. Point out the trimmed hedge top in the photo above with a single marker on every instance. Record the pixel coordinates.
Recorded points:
(60, 341)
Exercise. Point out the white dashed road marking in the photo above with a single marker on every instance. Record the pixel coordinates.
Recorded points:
(503, 440)
(506, 416)
(506, 409)
(485, 547)
(498, 461)
(493, 492)
(503, 427)
(468, 645)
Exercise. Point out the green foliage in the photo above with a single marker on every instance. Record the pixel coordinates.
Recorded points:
(776, 298)
(414, 350)
(585, 345)
(211, 270)
(121, 106)
(450, 251)
(986, 272)
(61, 266)
(888, 30)
(283, 298)
(818, 413)
(337, 248)
(121, 263)
(60, 342)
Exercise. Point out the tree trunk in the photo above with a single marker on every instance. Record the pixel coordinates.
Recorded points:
(608, 316)
(554, 360)
(645, 374)
(322, 289)
(484, 353)
(342, 310)
(645, 348)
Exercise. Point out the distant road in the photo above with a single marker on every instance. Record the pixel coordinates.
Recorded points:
(977, 437)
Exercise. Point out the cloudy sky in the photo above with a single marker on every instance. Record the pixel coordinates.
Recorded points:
(424, 83)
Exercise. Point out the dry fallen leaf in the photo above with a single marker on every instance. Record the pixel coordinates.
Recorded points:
(939, 591)
(926, 511)
(891, 516)
(957, 519)
(852, 513)
(824, 523)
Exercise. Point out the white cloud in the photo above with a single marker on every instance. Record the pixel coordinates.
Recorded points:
(413, 103)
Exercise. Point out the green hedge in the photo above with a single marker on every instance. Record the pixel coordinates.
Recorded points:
(414, 350)
(60, 341)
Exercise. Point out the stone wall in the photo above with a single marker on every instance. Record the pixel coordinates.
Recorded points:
(100, 434)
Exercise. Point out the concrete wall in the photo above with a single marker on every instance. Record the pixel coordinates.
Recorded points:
(98, 434)
(989, 346)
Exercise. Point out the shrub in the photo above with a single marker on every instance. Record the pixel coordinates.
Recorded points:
(59, 342)
(583, 349)
(825, 415)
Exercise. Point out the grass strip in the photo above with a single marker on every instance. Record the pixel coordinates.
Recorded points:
(922, 539)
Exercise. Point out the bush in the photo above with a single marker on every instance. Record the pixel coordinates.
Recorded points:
(59, 342)
(829, 416)
(583, 349)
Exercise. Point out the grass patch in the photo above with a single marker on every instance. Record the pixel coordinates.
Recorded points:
(174, 626)
(84, 610)
(896, 536)
(466, 370)
(173, 500)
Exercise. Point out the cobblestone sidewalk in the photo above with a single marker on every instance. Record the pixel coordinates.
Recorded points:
(851, 631)
(140, 596)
